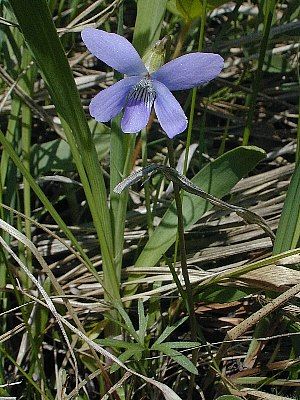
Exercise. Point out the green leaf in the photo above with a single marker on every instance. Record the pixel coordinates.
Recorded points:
(128, 324)
(56, 155)
(177, 357)
(260, 331)
(216, 178)
(41, 318)
(280, 63)
(229, 397)
(182, 345)
(143, 322)
(119, 344)
(167, 332)
(101, 137)
(189, 9)
(288, 232)
(221, 294)
(132, 349)
(51, 156)
(124, 357)
(212, 4)
(192, 9)
(147, 29)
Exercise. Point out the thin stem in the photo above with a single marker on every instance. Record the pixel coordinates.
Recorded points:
(225, 134)
(190, 303)
(129, 142)
(194, 91)
(181, 38)
(257, 78)
(185, 165)
(189, 132)
(184, 267)
(202, 26)
(27, 85)
(193, 103)
(202, 144)
(121, 151)
(146, 184)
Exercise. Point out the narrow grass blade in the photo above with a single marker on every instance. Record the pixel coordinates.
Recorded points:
(27, 86)
(168, 330)
(288, 232)
(42, 39)
(177, 357)
(143, 322)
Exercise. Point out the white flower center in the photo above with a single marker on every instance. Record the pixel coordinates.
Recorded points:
(143, 91)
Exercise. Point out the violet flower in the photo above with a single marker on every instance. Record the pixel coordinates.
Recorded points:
(140, 89)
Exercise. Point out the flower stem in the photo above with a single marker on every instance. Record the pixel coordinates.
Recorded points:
(178, 202)
(184, 267)
(146, 184)
(194, 91)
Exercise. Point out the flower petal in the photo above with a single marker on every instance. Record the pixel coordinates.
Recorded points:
(189, 70)
(109, 102)
(114, 50)
(136, 116)
(169, 112)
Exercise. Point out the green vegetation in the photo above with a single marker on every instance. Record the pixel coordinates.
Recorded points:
(154, 293)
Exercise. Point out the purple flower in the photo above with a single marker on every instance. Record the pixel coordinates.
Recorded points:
(140, 90)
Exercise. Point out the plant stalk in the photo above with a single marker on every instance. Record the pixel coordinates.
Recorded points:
(184, 267)
(194, 91)
(27, 85)
(146, 184)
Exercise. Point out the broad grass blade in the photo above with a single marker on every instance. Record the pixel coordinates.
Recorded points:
(147, 29)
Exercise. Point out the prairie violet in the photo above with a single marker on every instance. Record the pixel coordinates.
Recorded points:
(141, 88)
